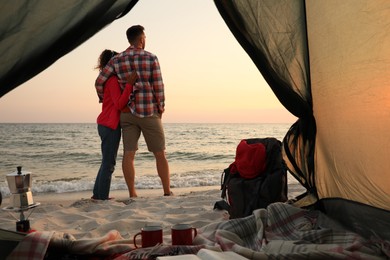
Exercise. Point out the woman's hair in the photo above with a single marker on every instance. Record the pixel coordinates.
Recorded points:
(104, 58)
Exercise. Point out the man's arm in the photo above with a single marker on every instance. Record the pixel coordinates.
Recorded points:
(107, 71)
(158, 85)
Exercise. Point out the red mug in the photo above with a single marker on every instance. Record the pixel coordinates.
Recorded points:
(183, 234)
(150, 236)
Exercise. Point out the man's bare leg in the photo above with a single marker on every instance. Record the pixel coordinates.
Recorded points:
(129, 171)
(163, 171)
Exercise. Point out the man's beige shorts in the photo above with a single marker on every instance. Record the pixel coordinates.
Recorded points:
(151, 128)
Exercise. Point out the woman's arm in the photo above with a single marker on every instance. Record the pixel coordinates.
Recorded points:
(121, 99)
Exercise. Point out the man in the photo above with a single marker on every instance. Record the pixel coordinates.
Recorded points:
(145, 108)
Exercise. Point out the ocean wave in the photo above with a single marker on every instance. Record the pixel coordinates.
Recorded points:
(189, 179)
(63, 185)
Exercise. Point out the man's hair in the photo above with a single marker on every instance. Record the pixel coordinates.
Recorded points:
(134, 32)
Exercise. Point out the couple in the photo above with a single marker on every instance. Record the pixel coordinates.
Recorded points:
(136, 73)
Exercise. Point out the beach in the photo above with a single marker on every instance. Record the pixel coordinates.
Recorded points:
(63, 173)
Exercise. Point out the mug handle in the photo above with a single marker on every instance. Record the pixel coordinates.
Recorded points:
(134, 239)
(195, 232)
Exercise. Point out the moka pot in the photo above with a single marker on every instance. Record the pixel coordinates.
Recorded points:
(19, 184)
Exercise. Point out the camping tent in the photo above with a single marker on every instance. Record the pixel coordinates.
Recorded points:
(327, 62)
(35, 33)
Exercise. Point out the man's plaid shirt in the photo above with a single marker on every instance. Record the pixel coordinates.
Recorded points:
(149, 87)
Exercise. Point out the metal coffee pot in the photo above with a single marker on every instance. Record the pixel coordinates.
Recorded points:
(21, 199)
(19, 182)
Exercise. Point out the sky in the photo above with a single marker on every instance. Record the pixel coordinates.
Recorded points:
(208, 77)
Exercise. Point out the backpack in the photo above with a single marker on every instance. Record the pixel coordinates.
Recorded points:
(257, 177)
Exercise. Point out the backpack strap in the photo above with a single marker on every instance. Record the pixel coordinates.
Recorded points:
(225, 178)
(222, 205)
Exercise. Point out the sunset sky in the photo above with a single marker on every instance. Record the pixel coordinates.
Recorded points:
(208, 77)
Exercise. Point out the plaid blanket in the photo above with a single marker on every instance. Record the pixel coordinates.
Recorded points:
(33, 246)
(281, 231)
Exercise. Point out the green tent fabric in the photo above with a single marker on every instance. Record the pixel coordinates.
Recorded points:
(35, 33)
(327, 61)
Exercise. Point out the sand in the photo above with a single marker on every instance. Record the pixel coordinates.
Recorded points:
(77, 214)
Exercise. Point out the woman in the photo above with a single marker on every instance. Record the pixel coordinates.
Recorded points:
(108, 126)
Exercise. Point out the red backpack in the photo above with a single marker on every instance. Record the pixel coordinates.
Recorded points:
(257, 177)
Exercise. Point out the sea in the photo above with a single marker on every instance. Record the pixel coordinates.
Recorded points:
(65, 157)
